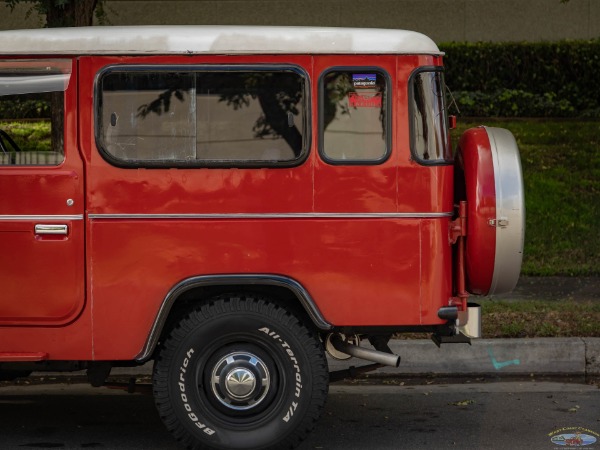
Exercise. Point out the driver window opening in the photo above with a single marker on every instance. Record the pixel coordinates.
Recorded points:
(32, 112)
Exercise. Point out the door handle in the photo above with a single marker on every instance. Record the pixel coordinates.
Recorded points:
(55, 229)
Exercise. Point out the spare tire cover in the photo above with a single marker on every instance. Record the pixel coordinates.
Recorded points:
(493, 187)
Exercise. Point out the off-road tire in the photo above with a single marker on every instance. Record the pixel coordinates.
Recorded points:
(202, 366)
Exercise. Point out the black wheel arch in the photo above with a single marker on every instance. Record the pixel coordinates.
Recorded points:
(194, 290)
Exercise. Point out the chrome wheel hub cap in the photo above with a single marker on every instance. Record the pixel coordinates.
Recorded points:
(240, 381)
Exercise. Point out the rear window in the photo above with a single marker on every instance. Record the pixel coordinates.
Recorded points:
(152, 116)
(355, 116)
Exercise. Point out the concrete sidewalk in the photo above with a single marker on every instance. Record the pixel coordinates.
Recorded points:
(548, 356)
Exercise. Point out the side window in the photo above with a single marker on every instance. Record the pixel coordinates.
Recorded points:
(202, 116)
(354, 116)
(430, 140)
(32, 111)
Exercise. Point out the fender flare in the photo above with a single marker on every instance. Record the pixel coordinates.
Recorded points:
(292, 285)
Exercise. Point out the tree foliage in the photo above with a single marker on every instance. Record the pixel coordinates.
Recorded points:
(64, 13)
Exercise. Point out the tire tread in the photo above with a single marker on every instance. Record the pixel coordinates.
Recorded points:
(232, 304)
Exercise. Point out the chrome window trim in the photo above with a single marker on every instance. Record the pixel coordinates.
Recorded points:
(387, 123)
(226, 67)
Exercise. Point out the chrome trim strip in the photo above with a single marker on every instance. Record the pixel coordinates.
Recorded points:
(276, 216)
(231, 280)
(32, 217)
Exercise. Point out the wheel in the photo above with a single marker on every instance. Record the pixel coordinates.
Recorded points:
(493, 187)
(240, 372)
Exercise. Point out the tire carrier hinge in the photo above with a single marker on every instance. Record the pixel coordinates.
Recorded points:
(458, 303)
(458, 233)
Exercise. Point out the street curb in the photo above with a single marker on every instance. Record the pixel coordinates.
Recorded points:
(552, 356)
(548, 356)
(592, 355)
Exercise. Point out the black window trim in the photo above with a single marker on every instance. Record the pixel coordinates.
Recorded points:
(224, 67)
(413, 152)
(388, 121)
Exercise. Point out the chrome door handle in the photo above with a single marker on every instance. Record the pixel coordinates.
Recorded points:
(52, 229)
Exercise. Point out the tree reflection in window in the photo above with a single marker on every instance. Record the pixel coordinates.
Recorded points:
(222, 116)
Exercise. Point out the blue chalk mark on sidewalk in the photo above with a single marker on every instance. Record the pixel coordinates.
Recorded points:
(500, 365)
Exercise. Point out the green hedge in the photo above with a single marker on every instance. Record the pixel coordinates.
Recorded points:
(543, 79)
(32, 106)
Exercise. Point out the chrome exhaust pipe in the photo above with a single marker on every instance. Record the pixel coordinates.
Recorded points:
(387, 359)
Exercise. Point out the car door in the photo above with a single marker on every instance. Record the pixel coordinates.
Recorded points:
(41, 194)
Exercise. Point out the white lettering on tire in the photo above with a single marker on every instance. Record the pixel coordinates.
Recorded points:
(191, 415)
(298, 376)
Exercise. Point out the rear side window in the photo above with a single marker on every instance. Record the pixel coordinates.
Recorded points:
(354, 116)
(202, 117)
(430, 140)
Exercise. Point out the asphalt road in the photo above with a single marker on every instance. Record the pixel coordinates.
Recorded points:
(460, 415)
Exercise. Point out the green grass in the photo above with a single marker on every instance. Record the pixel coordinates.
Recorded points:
(533, 319)
(561, 170)
(537, 318)
(29, 135)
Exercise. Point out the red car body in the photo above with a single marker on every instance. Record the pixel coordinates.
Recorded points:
(99, 255)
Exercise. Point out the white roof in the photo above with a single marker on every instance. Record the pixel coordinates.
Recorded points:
(212, 40)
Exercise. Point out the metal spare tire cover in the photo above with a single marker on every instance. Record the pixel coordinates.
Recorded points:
(495, 209)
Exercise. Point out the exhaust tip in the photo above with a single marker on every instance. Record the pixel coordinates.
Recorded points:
(386, 359)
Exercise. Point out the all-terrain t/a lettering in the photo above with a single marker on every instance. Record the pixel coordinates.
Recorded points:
(298, 375)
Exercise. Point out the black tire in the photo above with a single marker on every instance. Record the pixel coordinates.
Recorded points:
(240, 373)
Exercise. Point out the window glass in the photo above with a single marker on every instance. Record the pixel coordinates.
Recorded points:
(203, 117)
(149, 116)
(430, 140)
(32, 111)
(355, 114)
